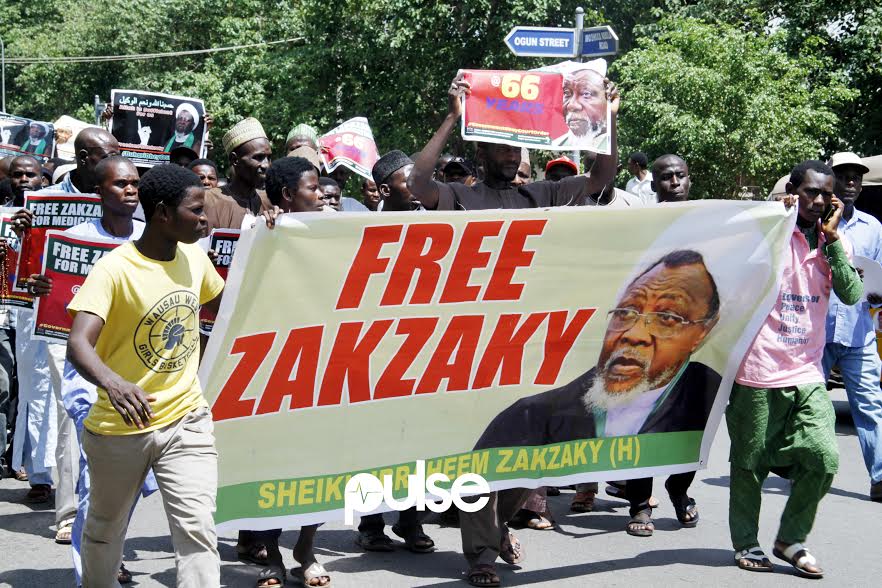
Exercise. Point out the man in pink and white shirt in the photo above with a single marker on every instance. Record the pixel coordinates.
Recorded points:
(780, 418)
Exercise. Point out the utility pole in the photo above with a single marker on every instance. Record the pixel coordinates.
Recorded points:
(3, 68)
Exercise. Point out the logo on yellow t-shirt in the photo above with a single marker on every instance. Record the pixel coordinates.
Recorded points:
(167, 335)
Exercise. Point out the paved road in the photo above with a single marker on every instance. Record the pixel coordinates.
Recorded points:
(583, 548)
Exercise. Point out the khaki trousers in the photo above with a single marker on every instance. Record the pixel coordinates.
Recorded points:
(483, 531)
(184, 460)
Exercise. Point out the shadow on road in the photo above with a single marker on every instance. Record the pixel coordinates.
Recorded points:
(43, 578)
(515, 576)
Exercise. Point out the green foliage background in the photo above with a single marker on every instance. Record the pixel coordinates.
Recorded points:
(741, 88)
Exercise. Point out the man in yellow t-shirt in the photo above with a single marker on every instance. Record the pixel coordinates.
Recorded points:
(135, 336)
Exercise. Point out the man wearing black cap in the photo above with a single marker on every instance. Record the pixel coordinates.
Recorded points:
(500, 164)
(458, 171)
(390, 175)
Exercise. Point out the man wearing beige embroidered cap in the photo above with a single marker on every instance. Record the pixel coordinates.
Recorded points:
(851, 338)
(249, 153)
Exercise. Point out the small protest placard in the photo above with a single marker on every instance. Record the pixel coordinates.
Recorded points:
(67, 260)
(149, 126)
(54, 210)
(563, 107)
(9, 296)
(23, 136)
(350, 145)
(223, 243)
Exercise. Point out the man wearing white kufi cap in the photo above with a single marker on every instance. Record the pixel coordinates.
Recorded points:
(250, 155)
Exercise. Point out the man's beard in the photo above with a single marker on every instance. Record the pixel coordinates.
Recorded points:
(592, 128)
(597, 397)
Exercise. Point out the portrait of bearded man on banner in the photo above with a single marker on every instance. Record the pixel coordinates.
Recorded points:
(644, 380)
(585, 106)
(38, 141)
(186, 121)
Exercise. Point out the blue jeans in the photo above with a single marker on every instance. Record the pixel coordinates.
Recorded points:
(860, 368)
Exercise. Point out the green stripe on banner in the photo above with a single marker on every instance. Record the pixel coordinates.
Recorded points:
(270, 498)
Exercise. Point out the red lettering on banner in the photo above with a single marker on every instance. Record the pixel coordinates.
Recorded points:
(367, 262)
(254, 349)
(469, 257)
(512, 255)
(462, 336)
(301, 349)
(415, 256)
(350, 362)
(505, 351)
(559, 340)
(392, 382)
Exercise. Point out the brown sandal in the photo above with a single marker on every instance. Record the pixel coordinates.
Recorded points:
(583, 501)
(485, 571)
(641, 524)
(39, 493)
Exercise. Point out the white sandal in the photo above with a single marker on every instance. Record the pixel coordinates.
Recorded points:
(798, 556)
(315, 570)
(754, 554)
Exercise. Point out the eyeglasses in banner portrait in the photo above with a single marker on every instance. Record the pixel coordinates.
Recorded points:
(149, 126)
(533, 348)
(23, 136)
(560, 107)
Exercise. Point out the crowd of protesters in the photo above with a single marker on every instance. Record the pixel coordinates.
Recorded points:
(91, 421)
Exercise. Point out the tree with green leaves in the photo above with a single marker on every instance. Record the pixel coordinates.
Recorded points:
(732, 103)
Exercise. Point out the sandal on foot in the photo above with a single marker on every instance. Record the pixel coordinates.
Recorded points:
(39, 493)
(541, 522)
(511, 551)
(307, 577)
(748, 558)
(21, 475)
(414, 538)
(583, 502)
(687, 512)
(483, 575)
(641, 524)
(271, 573)
(123, 576)
(63, 534)
(374, 541)
(255, 553)
(798, 556)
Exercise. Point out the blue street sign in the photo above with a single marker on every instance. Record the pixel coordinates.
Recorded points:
(542, 42)
(598, 41)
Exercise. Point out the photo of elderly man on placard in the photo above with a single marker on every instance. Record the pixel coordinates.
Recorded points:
(186, 121)
(585, 107)
(644, 380)
(39, 141)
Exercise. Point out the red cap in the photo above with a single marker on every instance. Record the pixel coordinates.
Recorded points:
(562, 161)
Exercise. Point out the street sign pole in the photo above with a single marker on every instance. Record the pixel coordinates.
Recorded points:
(577, 43)
(580, 25)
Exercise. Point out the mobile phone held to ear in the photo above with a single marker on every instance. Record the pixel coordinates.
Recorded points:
(828, 214)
